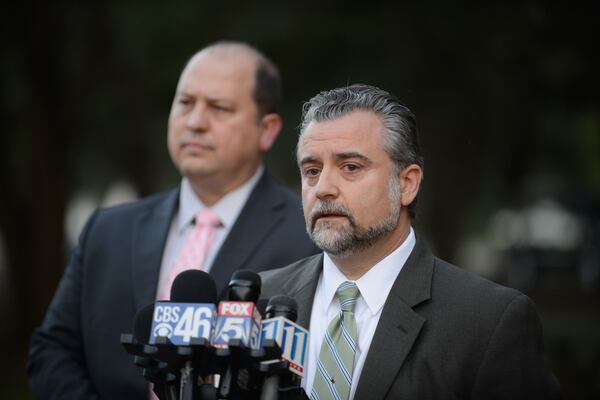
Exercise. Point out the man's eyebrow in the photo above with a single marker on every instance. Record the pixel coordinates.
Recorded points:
(219, 100)
(339, 156)
(183, 93)
(306, 160)
(352, 154)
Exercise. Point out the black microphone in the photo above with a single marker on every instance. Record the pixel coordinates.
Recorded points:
(194, 286)
(154, 371)
(244, 285)
(261, 305)
(143, 323)
(280, 326)
(197, 287)
(171, 339)
(282, 306)
(238, 321)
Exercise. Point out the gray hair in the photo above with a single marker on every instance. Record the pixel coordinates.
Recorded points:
(400, 139)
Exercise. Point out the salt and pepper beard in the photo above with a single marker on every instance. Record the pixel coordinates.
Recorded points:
(346, 240)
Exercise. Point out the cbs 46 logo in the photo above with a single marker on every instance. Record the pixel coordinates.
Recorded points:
(180, 324)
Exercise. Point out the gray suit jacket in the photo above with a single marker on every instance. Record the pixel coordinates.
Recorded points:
(444, 333)
(113, 272)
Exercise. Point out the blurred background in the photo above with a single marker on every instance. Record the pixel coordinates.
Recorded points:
(506, 94)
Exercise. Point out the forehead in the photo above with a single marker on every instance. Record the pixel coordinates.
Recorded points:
(358, 131)
(219, 75)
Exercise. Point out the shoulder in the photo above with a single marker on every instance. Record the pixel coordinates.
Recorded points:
(492, 332)
(120, 218)
(470, 282)
(287, 273)
(278, 192)
(288, 195)
(472, 294)
(141, 205)
(280, 280)
(285, 205)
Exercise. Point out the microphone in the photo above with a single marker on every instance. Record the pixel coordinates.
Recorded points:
(238, 329)
(142, 323)
(154, 371)
(280, 326)
(239, 318)
(187, 320)
(244, 286)
(191, 312)
(282, 306)
(261, 305)
(194, 286)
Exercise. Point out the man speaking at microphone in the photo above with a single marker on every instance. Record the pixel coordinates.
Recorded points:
(227, 214)
(387, 319)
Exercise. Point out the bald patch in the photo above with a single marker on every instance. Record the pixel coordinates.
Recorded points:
(227, 50)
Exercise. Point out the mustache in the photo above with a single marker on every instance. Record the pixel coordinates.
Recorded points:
(190, 137)
(326, 207)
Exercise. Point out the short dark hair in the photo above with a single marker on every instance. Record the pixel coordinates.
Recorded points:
(267, 87)
(400, 138)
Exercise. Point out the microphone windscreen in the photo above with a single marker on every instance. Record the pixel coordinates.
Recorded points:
(244, 285)
(282, 306)
(246, 275)
(142, 324)
(261, 305)
(194, 286)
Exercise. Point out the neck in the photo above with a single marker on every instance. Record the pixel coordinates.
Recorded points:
(355, 264)
(211, 189)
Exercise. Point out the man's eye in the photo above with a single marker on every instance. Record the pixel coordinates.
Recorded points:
(221, 108)
(184, 102)
(351, 167)
(311, 172)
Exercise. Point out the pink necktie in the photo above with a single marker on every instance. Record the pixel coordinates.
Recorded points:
(194, 250)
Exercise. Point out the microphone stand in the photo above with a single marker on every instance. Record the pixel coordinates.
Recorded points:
(188, 387)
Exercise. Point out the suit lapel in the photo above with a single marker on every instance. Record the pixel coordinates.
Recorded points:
(149, 236)
(260, 214)
(398, 327)
(302, 287)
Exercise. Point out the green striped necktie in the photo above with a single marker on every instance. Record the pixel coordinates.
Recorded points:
(333, 377)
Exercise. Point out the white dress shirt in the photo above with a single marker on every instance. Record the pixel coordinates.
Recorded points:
(374, 287)
(227, 209)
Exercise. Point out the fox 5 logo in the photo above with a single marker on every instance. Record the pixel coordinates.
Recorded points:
(244, 328)
(291, 338)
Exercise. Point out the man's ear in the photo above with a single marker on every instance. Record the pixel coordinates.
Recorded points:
(410, 182)
(270, 126)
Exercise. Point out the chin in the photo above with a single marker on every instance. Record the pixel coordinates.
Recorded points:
(193, 167)
(192, 173)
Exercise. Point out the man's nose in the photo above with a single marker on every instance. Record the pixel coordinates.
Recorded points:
(197, 119)
(327, 186)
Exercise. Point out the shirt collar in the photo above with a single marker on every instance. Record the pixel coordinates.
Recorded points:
(227, 208)
(376, 284)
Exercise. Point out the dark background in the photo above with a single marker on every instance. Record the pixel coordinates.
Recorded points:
(506, 94)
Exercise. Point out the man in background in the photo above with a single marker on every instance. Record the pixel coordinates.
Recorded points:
(226, 215)
(387, 319)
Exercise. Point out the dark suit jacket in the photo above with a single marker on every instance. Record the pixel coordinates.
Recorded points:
(113, 272)
(444, 333)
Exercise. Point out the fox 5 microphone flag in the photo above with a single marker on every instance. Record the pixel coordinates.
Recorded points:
(237, 320)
